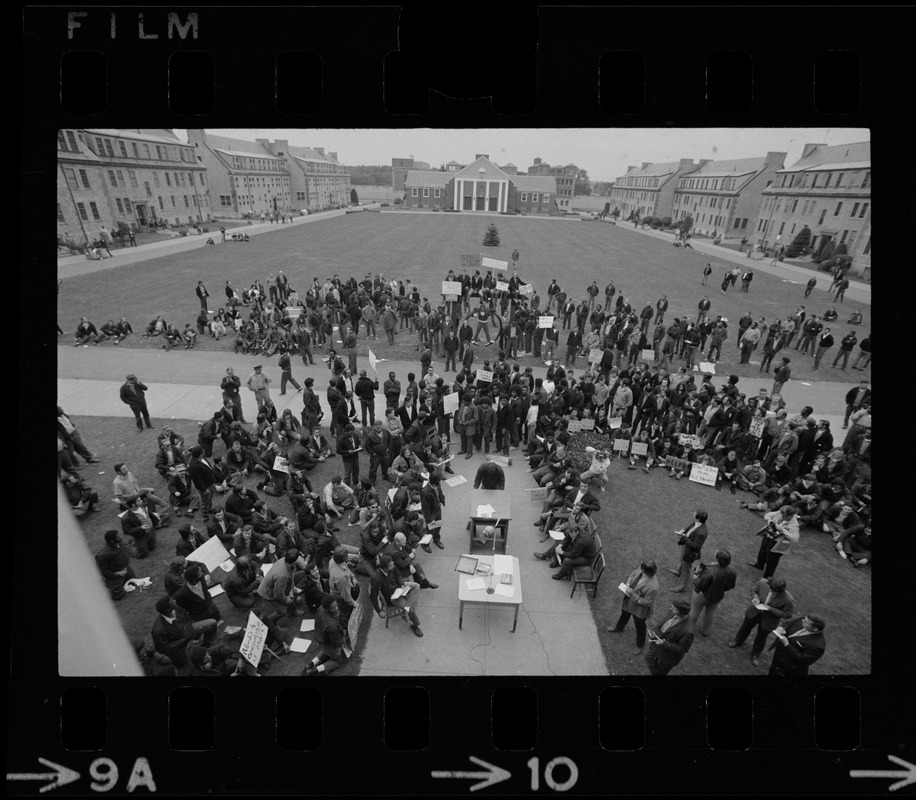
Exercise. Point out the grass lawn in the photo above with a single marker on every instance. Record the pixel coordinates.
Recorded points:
(423, 248)
(137, 609)
(637, 521)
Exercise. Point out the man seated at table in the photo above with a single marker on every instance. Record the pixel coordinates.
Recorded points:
(490, 476)
(383, 585)
(403, 557)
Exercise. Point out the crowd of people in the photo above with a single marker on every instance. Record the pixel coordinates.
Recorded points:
(654, 415)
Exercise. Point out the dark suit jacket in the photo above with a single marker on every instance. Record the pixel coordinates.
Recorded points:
(795, 657)
(233, 523)
(677, 640)
(693, 543)
(134, 394)
(201, 474)
(196, 606)
(783, 603)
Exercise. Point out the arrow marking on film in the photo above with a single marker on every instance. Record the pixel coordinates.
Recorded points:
(908, 773)
(60, 777)
(492, 776)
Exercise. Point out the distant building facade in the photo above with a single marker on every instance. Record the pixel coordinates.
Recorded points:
(723, 198)
(565, 178)
(126, 178)
(317, 179)
(399, 169)
(829, 190)
(649, 190)
(481, 186)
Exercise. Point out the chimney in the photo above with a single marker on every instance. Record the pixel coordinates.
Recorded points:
(264, 143)
(481, 155)
(776, 160)
(645, 164)
(686, 164)
(320, 150)
(806, 150)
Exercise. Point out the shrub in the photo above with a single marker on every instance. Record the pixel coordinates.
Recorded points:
(491, 237)
(799, 243)
(666, 222)
(205, 230)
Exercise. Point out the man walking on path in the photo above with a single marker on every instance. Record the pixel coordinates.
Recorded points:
(809, 287)
(286, 375)
(133, 393)
(258, 382)
(781, 376)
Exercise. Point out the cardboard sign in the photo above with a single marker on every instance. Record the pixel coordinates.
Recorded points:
(621, 445)
(705, 474)
(493, 263)
(647, 355)
(211, 554)
(595, 355)
(758, 425)
(574, 426)
(293, 312)
(450, 403)
(502, 286)
(539, 495)
(692, 439)
(483, 375)
(373, 361)
(293, 298)
(451, 287)
(253, 644)
(281, 465)
(614, 422)
(707, 366)
(451, 298)
(526, 288)
(470, 261)
(545, 322)
(677, 463)
(640, 448)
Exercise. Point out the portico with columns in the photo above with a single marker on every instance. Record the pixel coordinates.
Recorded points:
(481, 186)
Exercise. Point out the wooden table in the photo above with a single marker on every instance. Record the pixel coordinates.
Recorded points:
(502, 514)
(480, 597)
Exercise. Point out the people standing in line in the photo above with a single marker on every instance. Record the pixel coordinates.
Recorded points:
(709, 589)
(671, 641)
(638, 600)
(133, 393)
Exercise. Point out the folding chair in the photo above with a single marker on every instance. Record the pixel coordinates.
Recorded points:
(589, 576)
(390, 611)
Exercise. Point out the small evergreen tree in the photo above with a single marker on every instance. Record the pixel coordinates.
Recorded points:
(354, 197)
(799, 243)
(826, 250)
(685, 224)
(491, 237)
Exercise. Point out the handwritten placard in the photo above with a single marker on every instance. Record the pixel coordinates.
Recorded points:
(708, 366)
(621, 445)
(483, 375)
(526, 288)
(450, 403)
(293, 312)
(539, 495)
(614, 422)
(648, 355)
(253, 644)
(692, 439)
(502, 286)
(640, 448)
(757, 426)
(456, 481)
(451, 287)
(470, 261)
(494, 263)
(676, 463)
(595, 355)
(545, 322)
(211, 554)
(705, 474)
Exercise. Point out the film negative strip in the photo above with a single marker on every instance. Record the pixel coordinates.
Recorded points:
(215, 146)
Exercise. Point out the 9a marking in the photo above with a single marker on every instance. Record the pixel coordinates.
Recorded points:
(565, 786)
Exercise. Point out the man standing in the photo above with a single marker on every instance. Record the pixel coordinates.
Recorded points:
(846, 344)
(365, 390)
(348, 449)
(259, 383)
(782, 375)
(710, 588)
(204, 479)
(660, 308)
(133, 393)
(824, 343)
(67, 431)
(809, 287)
(770, 605)
(350, 343)
(230, 386)
(450, 346)
(691, 540)
(703, 309)
(671, 642)
(378, 443)
(286, 374)
(855, 398)
(639, 597)
(392, 391)
(779, 534)
(202, 295)
(797, 646)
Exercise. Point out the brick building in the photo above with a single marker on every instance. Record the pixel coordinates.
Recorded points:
(724, 197)
(246, 178)
(399, 169)
(317, 178)
(481, 186)
(565, 181)
(649, 190)
(126, 178)
(829, 190)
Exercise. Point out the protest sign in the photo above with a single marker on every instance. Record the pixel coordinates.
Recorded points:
(483, 375)
(677, 463)
(211, 554)
(704, 473)
(587, 424)
(451, 287)
(502, 286)
(539, 495)
(621, 445)
(640, 448)
(757, 426)
(281, 465)
(614, 422)
(470, 261)
(526, 288)
(692, 439)
(451, 298)
(574, 426)
(493, 263)
(545, 322)
(707, 366)
(253, 644)
(648, 355)
(456, 481)
(595, 355)
(293, 312)
(373, 361)
(450, 403)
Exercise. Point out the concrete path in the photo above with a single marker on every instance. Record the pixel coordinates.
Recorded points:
(857, 290)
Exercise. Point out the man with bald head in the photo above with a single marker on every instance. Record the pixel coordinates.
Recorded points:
(403, 556)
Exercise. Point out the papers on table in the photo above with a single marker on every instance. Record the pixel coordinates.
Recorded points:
(307, 625)
(299, 645)
(485, 511)
(505, 591)
(227, 565)
(503, 565)
(559, 536)
(456, 481)
(399, 592)
(475, 583)
(426, 539)
(216, 591)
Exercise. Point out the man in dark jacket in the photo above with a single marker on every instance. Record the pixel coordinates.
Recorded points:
(378, 443)
(133, 393)
(365, 389)
(770, 606)
(490, 476)
(174, 630)
(114, 563)
(242, 582)
(431, 501)
(578, 549)
(690, 540)
(204, 479)
(709, 589)
(797, 646)
(382, 587)
(671, 641)
(194, 596)
(329, 633)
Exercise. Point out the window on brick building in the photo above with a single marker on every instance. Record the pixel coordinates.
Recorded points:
(82, 209)
(146, 150)
(94, 209)
(61, 141)
(867, 249)
(864, 209)
(99, 147)
(168, 179)
(426, 192)
(60, 214)
(866, 182)
(112, 178)
(161, 207)
(123, 148)
(84, 178)
(109, 149)
(437, 193)
(134, 148)
(156, 179)
(855, 208)
(118, 204)
(823, 214)
(534, 198)
(414, 193)
(186, 203)
(838, 207)
(127, 206)
(133, 178)
(71, 138)
(149, 191)
(121, 179)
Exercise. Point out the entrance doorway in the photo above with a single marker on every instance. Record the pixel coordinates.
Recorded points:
(141, 213)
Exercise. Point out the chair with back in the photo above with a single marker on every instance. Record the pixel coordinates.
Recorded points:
(588, 576)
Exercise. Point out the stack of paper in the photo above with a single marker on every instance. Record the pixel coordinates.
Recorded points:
(299, 645)
(307, 625)
(502, 565)
(216, 591)
(485, 511)
(505, 591)
(399, 592)
(476, 583)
